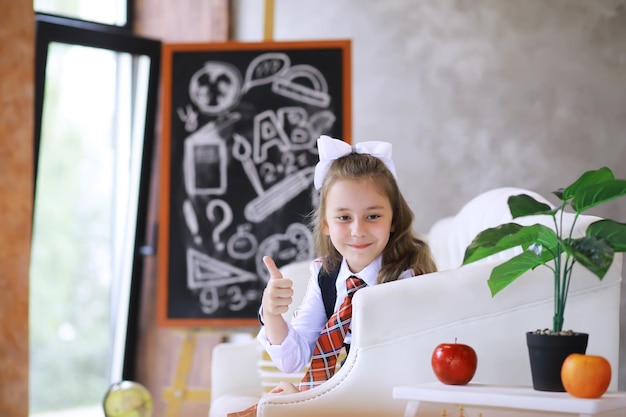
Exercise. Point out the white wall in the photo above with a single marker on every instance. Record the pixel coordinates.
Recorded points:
(476, 94)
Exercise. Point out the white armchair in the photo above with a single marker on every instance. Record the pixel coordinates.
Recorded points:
(397, 325)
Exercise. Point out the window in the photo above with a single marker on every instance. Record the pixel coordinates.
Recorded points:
(110, 12)
(96, 88)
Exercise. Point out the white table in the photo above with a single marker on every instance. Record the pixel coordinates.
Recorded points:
(512, 398)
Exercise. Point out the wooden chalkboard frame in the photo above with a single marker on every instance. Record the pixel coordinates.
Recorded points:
(168, 190)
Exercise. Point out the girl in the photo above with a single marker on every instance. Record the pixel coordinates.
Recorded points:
(363, 234)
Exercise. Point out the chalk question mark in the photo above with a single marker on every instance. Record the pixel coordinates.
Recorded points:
(226, 220)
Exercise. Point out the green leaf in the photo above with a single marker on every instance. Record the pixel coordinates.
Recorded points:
(559, 193)
(612, 231)
(486, 242)
(595, 194)
(594, 253)
(507, 236)
(507, 272)
(526, 236)
(588, 178)
(524, 205)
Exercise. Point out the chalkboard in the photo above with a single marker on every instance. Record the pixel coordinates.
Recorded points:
(240, 123)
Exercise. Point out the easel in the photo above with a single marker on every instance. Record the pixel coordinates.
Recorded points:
(179, 392)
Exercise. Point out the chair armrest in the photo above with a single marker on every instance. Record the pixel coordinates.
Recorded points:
(234, 368)
(350, 392)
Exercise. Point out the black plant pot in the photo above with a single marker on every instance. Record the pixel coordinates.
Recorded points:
(547, 353)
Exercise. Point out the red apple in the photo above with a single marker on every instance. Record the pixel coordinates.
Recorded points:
(454, 363)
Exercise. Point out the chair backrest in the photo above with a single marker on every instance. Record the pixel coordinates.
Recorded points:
(449, 237)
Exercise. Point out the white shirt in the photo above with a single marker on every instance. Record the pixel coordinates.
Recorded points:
(304, 329)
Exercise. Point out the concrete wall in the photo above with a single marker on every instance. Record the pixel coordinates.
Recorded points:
(476, 94)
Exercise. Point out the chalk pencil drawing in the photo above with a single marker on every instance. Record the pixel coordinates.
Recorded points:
(242, 151)
(278, 195)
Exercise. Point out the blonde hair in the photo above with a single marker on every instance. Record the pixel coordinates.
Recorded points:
(404, 250)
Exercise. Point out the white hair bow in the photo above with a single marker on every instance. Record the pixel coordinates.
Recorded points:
(331, 149)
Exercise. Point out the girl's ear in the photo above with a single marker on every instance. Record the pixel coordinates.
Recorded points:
(325, 228)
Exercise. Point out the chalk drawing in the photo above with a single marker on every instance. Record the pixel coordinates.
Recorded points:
(192, 221)
(204, 271)
(296, 244)
(204, 160)
(189, 116)
(268, 132)
(242, 151)
(278, 195)
(321, 122)
(216, 87)
(264, 69)
(236, 298)
(303, 83)
(243, 244)
(227, 218)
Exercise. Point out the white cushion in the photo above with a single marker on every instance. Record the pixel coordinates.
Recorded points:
(450, 236)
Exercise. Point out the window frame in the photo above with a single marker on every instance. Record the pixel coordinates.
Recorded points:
(49, 29)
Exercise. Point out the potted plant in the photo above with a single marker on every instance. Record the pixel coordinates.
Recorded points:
(558, 249)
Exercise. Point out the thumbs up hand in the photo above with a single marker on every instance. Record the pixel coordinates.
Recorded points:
(278, 293)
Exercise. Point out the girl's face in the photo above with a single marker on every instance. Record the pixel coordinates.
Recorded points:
(358, 220)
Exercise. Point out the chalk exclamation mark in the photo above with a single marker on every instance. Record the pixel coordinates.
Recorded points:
(192, 221)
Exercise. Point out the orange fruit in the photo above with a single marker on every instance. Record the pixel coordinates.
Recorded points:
(586, 376)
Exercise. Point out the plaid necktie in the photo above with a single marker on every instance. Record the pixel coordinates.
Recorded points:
(331, 339)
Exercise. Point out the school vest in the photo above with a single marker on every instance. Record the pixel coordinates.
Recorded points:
(326, 281)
